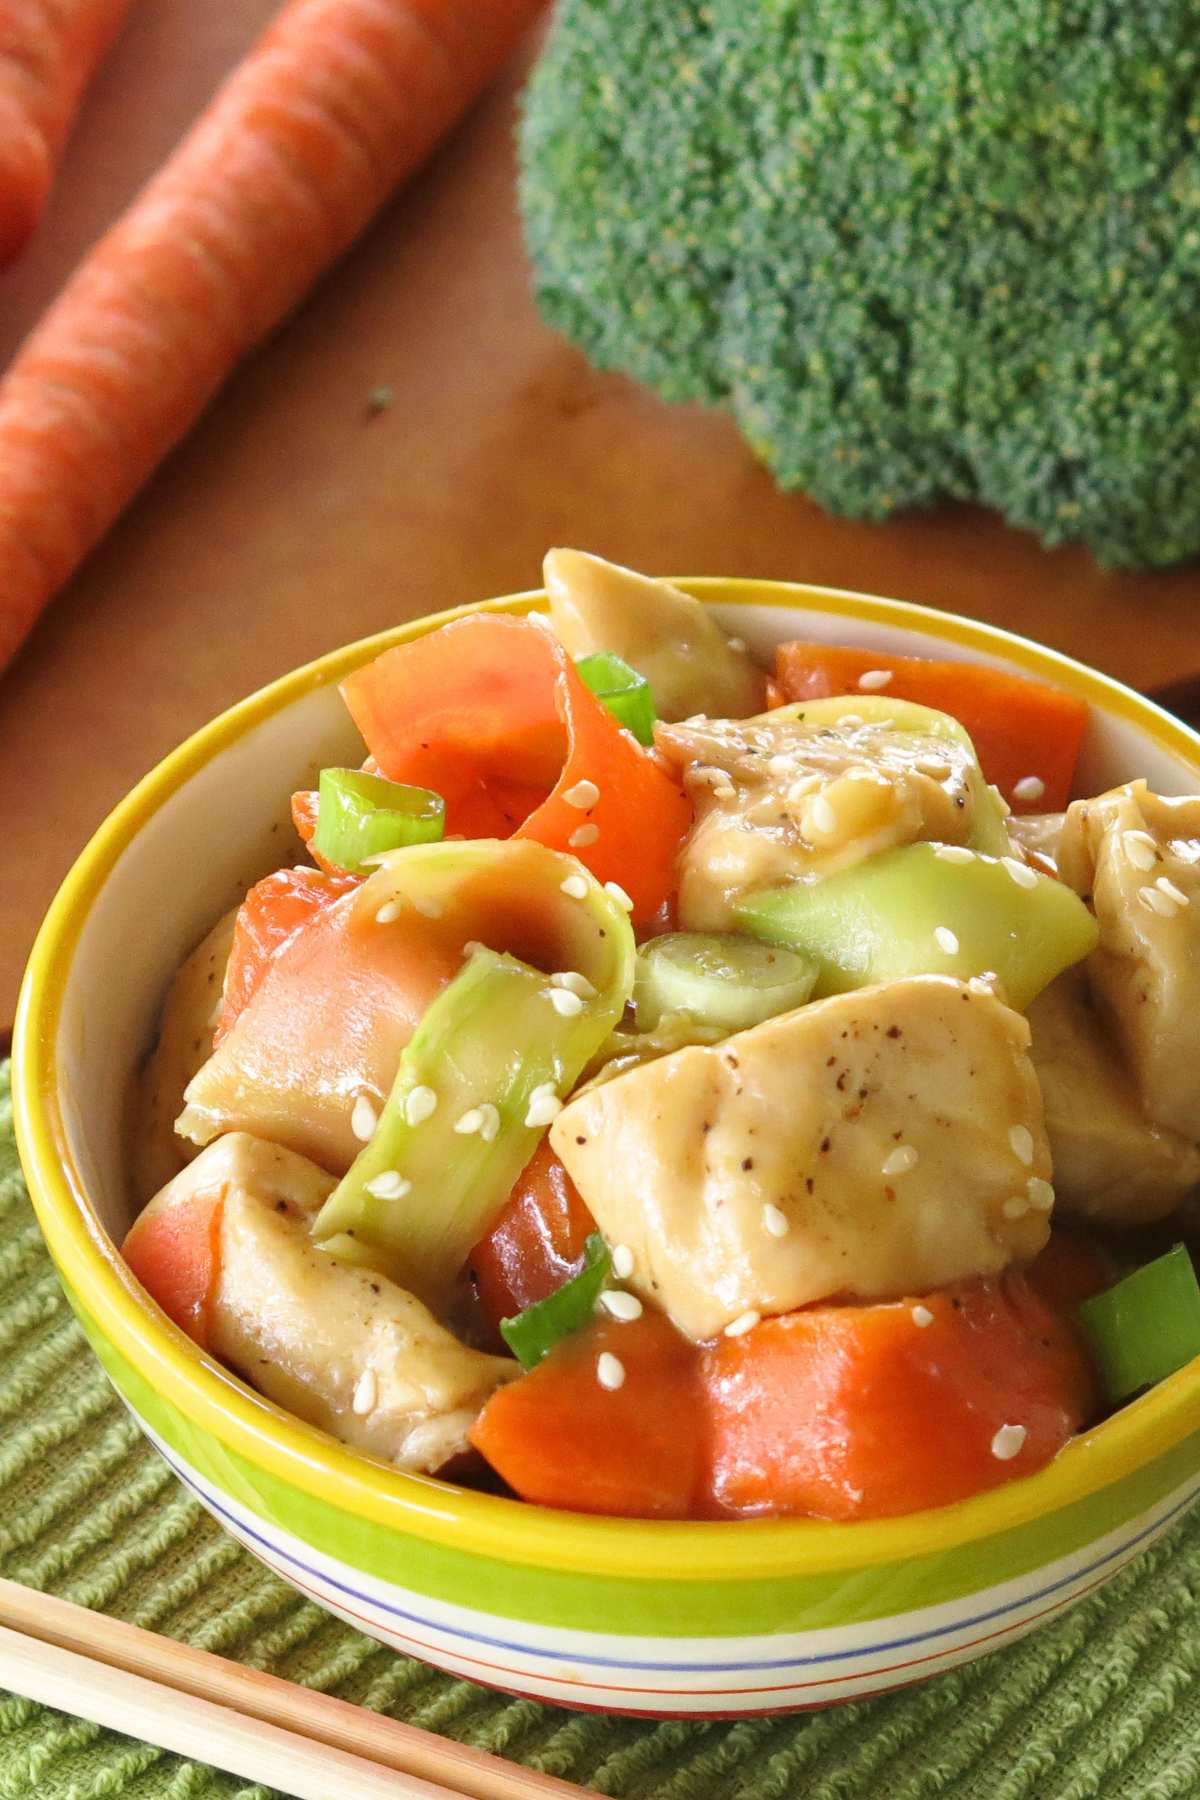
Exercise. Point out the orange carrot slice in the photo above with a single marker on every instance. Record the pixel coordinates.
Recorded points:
(536, 1244)
(268, 919)
(338, 102)
(491, 713)
(1021, 729)
(175, 1252)
(865, 1412)
(561, 1438)
(49, 50)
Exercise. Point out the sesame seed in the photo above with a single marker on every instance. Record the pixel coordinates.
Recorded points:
(946, 940)
(820, 817)
(801, 788)
(1008, 1442)
(743, 1323)
(781, 764)
(922, 1316)
(1155, 901)
(903, 1158)
(775, 1220)
(1016, 1208)
(575, 887)
(544, 1105)
(582, 795)
(954, 853)
(489, 1130)
(565, 1004)
(610, 1371)
(585, 835)
(420, 1103)
(1041, 1194)
(1139, 849)
(1021, 1139)
(574, 983)
(1021, 873)
(366, 1392)
(937, 766)
(618, 893)
(388, 913)
(389, 1185)
(363, 1119)
(1030, 787)
(470, 1122)
(621, 1305)
(871, 680)
(726, 791)
(622, 1261)
(738, 644)
(850, 721)
(1167, 887)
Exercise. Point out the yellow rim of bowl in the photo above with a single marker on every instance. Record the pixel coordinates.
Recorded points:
(298, 1454)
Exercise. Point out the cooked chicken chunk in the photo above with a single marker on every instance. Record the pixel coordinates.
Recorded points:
(1109, 1162)
(874, 1144)
(777, 799)
(664, 634)
(341, 1347)
(1137, 856)
(190, 1014)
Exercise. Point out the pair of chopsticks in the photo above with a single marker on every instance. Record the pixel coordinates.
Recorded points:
(254, 1725)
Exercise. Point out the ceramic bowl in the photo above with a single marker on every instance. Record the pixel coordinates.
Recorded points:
(624, 1616)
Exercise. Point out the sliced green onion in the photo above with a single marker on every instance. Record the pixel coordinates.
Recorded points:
(361, 816)
(1147, 1326)
(623, 691)
(723, 978)
(533, 1333)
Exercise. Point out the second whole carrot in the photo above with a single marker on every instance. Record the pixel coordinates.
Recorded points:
(338, 101)
(49, 50)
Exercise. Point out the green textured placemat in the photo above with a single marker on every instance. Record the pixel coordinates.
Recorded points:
(1105, 1701)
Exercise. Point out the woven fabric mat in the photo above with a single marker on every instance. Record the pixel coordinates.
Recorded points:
(1104, 1701)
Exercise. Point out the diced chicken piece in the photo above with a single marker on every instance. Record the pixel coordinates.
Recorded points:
(671, 639)
(1136, 856)
(1037, 834)
(777, 800)
(871, 1145)
(1110, 1163)
(190, 1014)
(341, 1347)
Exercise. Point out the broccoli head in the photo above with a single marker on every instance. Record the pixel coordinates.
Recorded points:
(918, 248)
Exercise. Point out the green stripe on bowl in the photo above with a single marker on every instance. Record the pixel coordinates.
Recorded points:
(703, 1608)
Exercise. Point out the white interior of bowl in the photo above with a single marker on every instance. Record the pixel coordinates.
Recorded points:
(229, 824)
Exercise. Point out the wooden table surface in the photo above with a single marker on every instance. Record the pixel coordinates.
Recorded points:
(293, 520)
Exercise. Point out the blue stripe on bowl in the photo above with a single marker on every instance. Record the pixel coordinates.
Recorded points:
(668, 1668)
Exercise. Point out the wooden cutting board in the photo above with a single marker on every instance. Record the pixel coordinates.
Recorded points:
(293, 518)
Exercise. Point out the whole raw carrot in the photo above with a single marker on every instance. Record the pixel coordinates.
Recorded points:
(335, 104)
(49, 50)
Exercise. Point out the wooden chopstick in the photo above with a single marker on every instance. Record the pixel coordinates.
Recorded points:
(240, 1719)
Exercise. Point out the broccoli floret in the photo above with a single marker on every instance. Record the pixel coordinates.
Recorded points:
(918, 248)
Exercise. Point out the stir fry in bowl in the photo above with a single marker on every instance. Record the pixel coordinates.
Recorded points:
(673, 1090)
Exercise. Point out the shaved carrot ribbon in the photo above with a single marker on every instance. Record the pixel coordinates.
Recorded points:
(491, 713)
